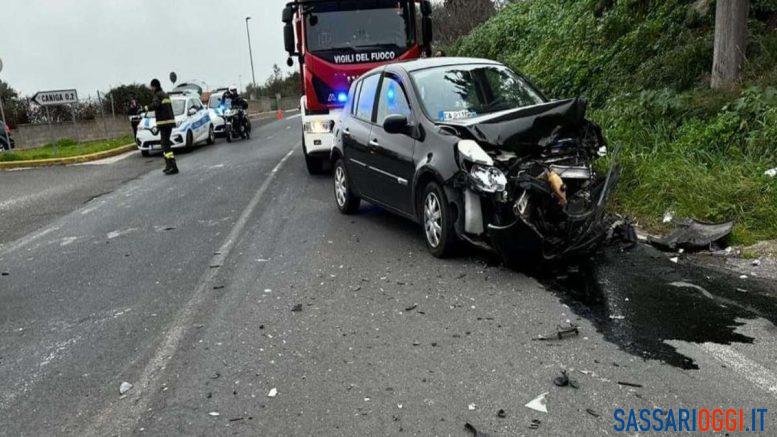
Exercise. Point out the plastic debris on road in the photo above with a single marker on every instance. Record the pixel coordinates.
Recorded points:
(539, 403)
(273, 392)
(125, 387)
(297, 308)
(469, 427)
(214, 414)
(690, 234)
(471, 407)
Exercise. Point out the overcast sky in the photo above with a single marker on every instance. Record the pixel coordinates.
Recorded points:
(94, 44)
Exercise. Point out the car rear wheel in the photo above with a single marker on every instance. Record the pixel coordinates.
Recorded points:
(437, 219)
(189, 140)
(145, 153)
(347, 203)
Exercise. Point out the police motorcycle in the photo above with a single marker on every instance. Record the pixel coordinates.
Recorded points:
(238, 126)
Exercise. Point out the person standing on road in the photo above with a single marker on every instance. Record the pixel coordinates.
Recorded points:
(165, 122)
(134, 111)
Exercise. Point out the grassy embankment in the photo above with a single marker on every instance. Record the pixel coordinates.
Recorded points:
(64, 148)
(644, 67)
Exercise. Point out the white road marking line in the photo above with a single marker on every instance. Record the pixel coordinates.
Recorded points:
(757, 374)
(119, 418)
(26, 240)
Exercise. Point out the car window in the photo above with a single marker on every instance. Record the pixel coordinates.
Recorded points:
(355, 97)
(392, 99)
(367, 97)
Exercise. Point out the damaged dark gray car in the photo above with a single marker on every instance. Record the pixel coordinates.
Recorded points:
(474, 152)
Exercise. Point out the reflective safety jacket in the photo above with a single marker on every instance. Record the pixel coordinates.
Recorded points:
(163, 108)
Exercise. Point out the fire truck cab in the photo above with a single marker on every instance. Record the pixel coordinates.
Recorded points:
(335, 42)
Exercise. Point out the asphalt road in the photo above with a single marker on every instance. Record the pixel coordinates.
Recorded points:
(184, 287)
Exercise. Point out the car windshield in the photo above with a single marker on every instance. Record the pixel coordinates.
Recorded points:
(215, 102)
(329, 29)
(467, 91)
(178, 107)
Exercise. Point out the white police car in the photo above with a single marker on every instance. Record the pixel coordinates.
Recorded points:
(216, 110)
(193, 125)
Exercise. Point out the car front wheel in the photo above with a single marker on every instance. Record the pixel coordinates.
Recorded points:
(347, 203)
(211, 136)
(437, 218)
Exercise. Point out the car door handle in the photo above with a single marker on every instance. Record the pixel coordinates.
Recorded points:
(347, 131)
(374, 143)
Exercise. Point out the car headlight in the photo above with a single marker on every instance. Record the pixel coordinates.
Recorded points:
(319, 126)
(482, 173)
(488, 179)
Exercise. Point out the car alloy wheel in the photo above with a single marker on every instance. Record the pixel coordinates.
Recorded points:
(340, 186)
(432, 219)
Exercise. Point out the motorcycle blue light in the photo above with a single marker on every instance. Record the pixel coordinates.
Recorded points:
(342, 97)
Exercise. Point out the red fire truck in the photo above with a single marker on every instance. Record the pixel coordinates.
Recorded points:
(335, 42)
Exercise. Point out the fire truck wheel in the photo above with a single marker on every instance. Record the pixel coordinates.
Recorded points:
(315, 165)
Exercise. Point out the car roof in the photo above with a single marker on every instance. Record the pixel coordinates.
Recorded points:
(424, 63)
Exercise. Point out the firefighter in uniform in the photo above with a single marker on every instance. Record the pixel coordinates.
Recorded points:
(165, 122)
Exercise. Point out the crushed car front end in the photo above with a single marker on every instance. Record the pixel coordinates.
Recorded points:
(527, 184)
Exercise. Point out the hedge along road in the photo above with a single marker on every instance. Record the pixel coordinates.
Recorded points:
(184, 287)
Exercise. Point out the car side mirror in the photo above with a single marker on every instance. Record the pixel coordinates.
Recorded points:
(192, 111)
(396, 124)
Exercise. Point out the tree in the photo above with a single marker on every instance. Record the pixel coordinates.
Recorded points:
(122, 95)
(456, 18)
(730, 42)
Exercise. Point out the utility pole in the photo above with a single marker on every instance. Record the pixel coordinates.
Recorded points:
(251, 55)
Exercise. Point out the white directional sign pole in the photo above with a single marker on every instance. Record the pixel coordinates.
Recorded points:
(57, 97)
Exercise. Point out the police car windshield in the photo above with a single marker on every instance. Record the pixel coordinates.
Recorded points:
(178, 106)
(329, 29)
(215, 102)
(466, 91)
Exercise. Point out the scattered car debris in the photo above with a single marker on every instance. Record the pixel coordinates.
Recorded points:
(592, 412)
(4, 274)
(538, 404)
(563, 380)
(756, 262)
(562, 331)
(236, 419)
(690, 234)
(297, 308)
(215, 375)
(218, 287)
(471, 407)
(469, 427)
(675, 259)
(630, 384)
(125, 387)
(771, 172)
(214, 414)
(617, 317)
(411, 307)
(535, 424)
(501, 414)
(273, 392)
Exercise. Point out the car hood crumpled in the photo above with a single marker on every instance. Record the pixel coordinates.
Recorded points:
(527, 126)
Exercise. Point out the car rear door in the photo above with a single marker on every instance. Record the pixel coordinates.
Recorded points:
(356, 135)
(391, 157)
